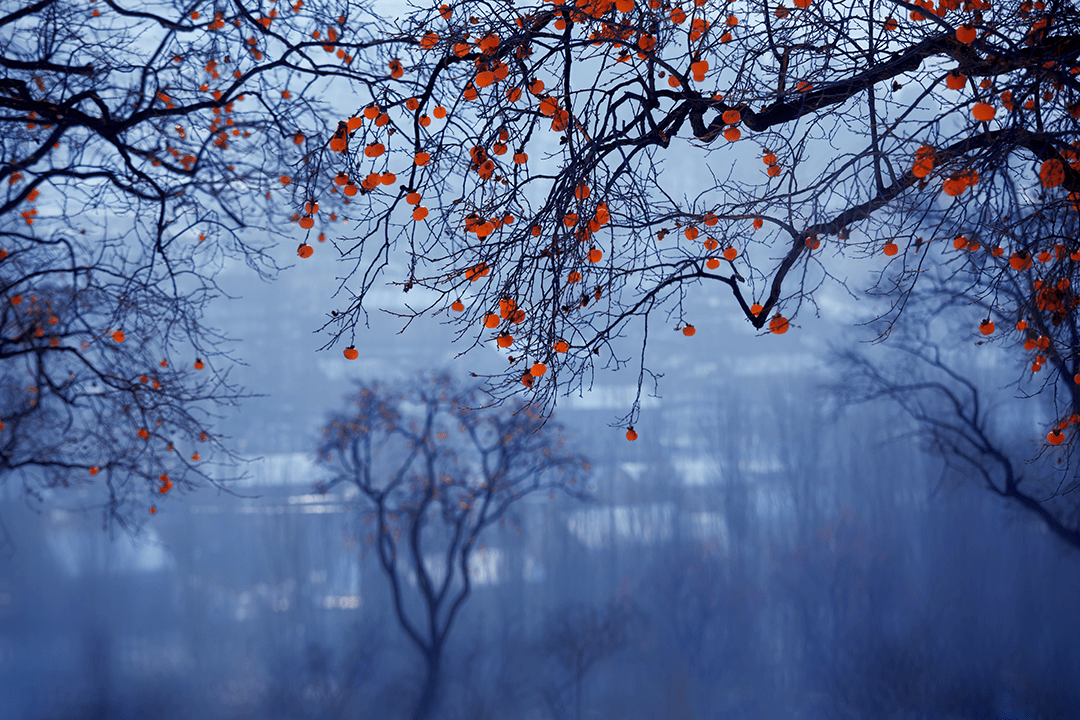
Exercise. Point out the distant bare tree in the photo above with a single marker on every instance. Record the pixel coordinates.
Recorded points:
(579, 637)
(953, 414)
(436, 470)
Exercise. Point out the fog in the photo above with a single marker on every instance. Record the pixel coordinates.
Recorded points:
(758, 552)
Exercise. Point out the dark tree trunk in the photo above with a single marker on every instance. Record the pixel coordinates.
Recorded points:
(578, 676)
(425, 708)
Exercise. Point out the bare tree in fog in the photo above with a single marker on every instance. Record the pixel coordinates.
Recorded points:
(579, 637)
(954, 415)
(435, 470)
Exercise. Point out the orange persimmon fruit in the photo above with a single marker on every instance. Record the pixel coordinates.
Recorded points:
(1020, 260)
(955, 81)
(983, 112)
(1052, 173)
(924, 161)
(966, 34)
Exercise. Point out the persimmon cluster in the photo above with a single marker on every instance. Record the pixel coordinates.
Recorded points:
(517, 152)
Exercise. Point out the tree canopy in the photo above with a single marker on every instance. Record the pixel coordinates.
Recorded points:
(552, 176)
(530, 193)
(145, 146)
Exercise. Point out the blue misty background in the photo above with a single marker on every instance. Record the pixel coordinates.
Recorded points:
(752, 555)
